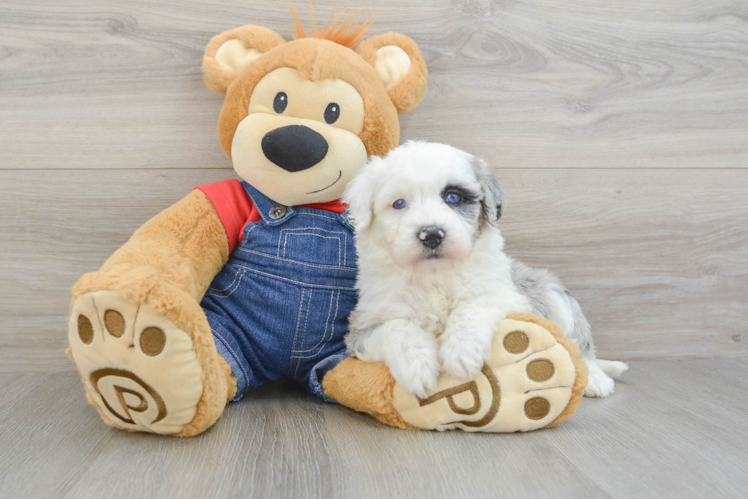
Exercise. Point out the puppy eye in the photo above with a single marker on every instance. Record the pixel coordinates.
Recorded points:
(280, 103)
(453, 198)
(332, 113)
(400, 204)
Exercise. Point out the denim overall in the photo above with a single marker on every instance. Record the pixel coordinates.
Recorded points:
(279, 308)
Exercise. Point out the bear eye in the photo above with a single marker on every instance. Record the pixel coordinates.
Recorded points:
(280, 103)
(400, 204)
(453, 198)
(332, 113)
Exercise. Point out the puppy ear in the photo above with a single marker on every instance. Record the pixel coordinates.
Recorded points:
(493, 195)
(230, 53)
(398, 62)
(359, 194)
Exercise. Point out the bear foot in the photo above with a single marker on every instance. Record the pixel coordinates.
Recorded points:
(533, 379)
(525, 385)
(139, 368)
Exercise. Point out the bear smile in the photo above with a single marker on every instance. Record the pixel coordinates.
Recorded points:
(340, 174)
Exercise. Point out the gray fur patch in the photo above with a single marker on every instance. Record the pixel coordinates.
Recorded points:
(469, 208)
(551, 300)
(468, 211)
(493, 195)
(471, 212)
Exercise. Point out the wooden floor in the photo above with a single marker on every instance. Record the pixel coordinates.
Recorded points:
(618, 129)
(672, 429)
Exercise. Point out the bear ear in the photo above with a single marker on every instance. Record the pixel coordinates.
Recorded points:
(229, 53)
(398, 62)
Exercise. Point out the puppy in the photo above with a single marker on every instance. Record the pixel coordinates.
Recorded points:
(433, 279)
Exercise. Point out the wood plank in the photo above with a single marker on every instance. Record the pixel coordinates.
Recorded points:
(581, 105)
(658, 260)
(533, 84)
(54, 228)
(48, 440)
(667, 432)
(681, 422)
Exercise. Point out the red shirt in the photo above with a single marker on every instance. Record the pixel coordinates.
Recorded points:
(236, 210)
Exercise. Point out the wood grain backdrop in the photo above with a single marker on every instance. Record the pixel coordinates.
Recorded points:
(681, 437)
(620, 131)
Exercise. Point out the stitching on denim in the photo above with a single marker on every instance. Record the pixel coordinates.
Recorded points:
(236, 358)
(340, 249)
(345, 251)
(306, 329)
(236, 275)
(313, 228)
(317, 228)
(298, 322)
(336, 219)
(297, 261)
(246, 236)
(324, 334)
(318, 215)
(306, 321)
(334, 318)
(321, 344)
(310, 228)
(311, 285)
(235, 284)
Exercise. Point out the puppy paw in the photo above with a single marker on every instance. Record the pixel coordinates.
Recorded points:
(462, 357)
(599, 385)
(416, 369)
(612, 369)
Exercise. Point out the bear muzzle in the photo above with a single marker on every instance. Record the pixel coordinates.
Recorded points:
(294, 147)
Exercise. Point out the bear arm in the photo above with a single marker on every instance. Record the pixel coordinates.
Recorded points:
(186, 245)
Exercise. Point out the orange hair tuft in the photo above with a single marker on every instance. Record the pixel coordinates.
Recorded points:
(344, 33)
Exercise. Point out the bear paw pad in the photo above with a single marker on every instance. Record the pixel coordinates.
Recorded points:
(525, 385)
(139, 368)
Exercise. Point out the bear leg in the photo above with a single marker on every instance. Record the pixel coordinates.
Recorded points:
(534, 379)
(146, 354)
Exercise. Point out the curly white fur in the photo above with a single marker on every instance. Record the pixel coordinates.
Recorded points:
(426, 308)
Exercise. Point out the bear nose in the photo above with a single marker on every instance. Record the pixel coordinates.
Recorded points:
(294, 147)
(431, 237)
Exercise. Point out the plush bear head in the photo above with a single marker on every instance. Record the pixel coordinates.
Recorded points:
(300, 118)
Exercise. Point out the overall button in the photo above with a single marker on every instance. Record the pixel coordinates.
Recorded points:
(278, 211)
(351, 220)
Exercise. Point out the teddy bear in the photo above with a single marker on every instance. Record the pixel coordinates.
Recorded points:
(242, 283)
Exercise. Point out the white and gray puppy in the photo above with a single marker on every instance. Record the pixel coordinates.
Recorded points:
(431, 261)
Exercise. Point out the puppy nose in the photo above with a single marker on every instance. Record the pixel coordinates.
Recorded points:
(431, 237)
(294, 147)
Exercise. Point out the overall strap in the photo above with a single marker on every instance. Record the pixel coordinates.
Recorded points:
(272, 213)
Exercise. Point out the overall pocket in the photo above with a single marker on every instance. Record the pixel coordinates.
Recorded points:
(322, 324)
(314, 245)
